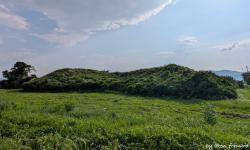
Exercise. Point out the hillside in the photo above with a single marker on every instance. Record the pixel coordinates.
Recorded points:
(171, 80)
(234, 74)
(116, 121)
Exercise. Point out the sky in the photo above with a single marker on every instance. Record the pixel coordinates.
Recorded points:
(118, 35)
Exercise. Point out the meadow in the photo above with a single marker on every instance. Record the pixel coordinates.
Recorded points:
(108, 120)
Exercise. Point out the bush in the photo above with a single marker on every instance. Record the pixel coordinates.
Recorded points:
(207, 85)
(209, 114)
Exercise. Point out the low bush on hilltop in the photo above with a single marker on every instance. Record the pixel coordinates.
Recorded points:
(171, 80)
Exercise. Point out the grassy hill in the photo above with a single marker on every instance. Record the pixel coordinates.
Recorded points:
(99, 120)
(171, 80)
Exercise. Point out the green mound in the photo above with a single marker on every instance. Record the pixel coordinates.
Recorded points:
(171, 80)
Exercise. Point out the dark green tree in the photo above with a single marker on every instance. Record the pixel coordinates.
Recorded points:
(246, 77)
(18, 74)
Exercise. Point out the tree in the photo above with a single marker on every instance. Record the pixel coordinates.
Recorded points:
(246, 77)
(18, 74)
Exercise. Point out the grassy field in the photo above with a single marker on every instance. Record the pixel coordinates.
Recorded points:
(117, 121)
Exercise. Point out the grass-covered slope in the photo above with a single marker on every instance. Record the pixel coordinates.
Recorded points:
(72, 80)
(102, 121)
(171, 80)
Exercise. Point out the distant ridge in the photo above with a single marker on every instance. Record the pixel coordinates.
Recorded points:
(235, 74)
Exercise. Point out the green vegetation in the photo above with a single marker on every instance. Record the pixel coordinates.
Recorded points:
(94, 120)
(18, 74)
(246, 77)
(210, 114)
(171, 80)
(112, 120)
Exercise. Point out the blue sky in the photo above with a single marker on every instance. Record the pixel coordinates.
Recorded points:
(125, 35)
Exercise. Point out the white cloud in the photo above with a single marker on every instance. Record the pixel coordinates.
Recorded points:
(62, 38)
(79, 19)
(189, 40)
(136, 19)
(4, 8)
(233, 45)
(12, 20)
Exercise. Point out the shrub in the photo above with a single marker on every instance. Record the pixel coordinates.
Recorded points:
(209, 114)
(207, 85)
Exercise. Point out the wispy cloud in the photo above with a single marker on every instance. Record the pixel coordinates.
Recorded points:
(136, 19)
(189, 40)
(4, 8)
(12, 20)
(233, 45)
(79, 19)
(62, 38)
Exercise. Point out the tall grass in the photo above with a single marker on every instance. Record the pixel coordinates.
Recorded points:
(116, 121)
